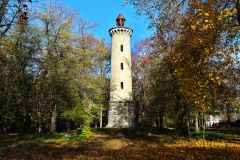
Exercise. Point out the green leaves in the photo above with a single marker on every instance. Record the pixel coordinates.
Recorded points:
(50, 66)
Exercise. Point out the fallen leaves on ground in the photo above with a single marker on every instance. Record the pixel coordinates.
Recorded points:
(158, 147)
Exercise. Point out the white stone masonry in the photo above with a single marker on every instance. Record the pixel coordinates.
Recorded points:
(121, 112)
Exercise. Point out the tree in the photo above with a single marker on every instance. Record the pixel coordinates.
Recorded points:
(52, 67)
(57, 24)
(17, 68)
(194, 36)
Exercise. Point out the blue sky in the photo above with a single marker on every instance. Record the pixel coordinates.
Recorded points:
(104, 12)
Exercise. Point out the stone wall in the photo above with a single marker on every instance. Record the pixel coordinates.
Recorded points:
(121, 114)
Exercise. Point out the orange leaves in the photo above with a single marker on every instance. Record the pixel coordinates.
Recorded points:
(170, 11)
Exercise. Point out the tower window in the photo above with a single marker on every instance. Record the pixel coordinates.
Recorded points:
(121, 66)
(121, 47)
(121, 85)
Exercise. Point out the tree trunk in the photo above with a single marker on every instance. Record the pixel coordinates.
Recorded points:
(188, 123)
(158, 120)
(2, 125)
(228, 116)
(40, 119)
(68, 126)
(196, 124)
(40, 127)
(161, 120)
(54, 118)
(180, 124)
(27, 123)
(40, 124)
(203, 127)
(101, 117)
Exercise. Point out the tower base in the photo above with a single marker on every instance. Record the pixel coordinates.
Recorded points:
(120, 114)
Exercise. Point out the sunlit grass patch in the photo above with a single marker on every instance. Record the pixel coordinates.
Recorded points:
(28, 140)
(49, 138)
(116, 144)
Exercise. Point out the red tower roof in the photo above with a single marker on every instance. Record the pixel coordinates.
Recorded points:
(120, 16)
(120, 20)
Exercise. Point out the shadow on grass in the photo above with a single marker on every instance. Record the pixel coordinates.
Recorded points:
(134, 133)
(228, 135)
(131, 144)
(19, 140)
(136, 150)
(224, 131)
(169, 136)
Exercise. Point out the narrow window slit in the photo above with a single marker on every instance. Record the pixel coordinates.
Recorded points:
(121, 66)
(121, 85)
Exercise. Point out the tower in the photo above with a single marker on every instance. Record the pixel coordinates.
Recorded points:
(120, 113)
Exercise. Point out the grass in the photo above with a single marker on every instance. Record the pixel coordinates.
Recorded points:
(122, 144)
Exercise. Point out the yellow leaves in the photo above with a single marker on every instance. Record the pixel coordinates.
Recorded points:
(205, 27)
(160, 146)
(203, 24)
(215, 78)
(233, 102)
(220, 17)
(193, 27)
(200, 51)
(199, 144)
(206, 14)
(233, 10)
(208, 51)
(210, 16)
(209, 23)
(200, 40)
(116, 144)
(204, 18)
(218, 81)
(210, 75)
(210, 144)
(226, 13)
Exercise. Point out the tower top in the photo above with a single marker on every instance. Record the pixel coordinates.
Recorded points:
(120, 20)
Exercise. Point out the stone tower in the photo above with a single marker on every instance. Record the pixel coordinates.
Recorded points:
(120, 106)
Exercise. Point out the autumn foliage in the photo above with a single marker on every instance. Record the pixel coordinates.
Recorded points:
(196, 50)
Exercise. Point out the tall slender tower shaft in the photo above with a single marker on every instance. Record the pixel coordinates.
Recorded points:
(120, 105)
